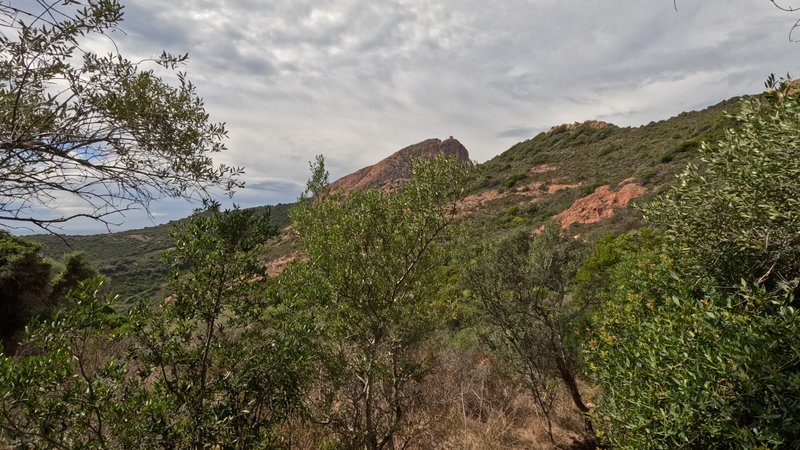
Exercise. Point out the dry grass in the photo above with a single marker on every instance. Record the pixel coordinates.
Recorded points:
(472, 404)
(468, 402)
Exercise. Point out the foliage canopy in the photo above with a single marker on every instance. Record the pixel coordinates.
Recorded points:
(204, 368)
(737, 214)
(694, 338)
(98, 130)
(371, 284)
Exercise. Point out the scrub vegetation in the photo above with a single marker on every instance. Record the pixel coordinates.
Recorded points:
(592, 287)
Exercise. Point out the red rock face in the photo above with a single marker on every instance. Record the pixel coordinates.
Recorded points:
(601, 204)
(390, 172)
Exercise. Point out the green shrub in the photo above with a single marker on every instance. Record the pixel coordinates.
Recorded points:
(694, 341)
(686, 366)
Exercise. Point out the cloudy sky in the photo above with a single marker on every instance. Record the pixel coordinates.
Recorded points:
(356, 80)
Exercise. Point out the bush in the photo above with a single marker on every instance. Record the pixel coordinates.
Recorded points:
(211, 367)
(683, 366)
(694, 342)
(520, 287)
(738, 215)
(371, 287)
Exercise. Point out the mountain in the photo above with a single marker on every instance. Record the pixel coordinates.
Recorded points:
(585, 175)
(392, 170)
(386, 174)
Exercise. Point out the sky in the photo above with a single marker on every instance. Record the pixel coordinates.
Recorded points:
(356, 80)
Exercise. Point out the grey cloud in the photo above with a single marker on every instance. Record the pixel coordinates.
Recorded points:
(357, 79)
(149, 31)
(275, 186)
(519, 132)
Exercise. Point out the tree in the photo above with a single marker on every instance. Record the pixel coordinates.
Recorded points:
(737, 214)
(208, 368)
(520, 284)
(76, 269)
(27, 286)
(102, 131)
(68, 390)
(24, 284)
(371, 283)
(683, 365)
(219, 371)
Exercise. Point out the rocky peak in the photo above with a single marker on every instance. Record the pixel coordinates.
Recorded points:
(396, 168)
(596, 124)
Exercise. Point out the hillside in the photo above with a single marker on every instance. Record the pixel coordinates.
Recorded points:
(132, 260)
(517, 326)
(583, 168)
(540, 178)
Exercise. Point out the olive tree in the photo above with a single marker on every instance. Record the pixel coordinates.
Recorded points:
(97, 130)
(682, 364)
(215, 370)
(736, 214)
(24, 283)
(209, 367)
(28, 287)
(67, 390)
(371, 282)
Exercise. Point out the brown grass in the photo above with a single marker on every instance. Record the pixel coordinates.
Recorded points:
(473, 404)
(468, 402)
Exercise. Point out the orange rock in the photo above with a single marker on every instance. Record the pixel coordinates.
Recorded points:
(391, 171)
(601, 204)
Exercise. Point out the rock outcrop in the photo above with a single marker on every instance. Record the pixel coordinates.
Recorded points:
(393, 170)
(596, 124)
(602, 203)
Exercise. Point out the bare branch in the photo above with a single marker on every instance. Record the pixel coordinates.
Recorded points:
(784, 8)
(789, 9)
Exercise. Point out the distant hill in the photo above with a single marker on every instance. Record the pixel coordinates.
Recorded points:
(132, 259)
(584, 175)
